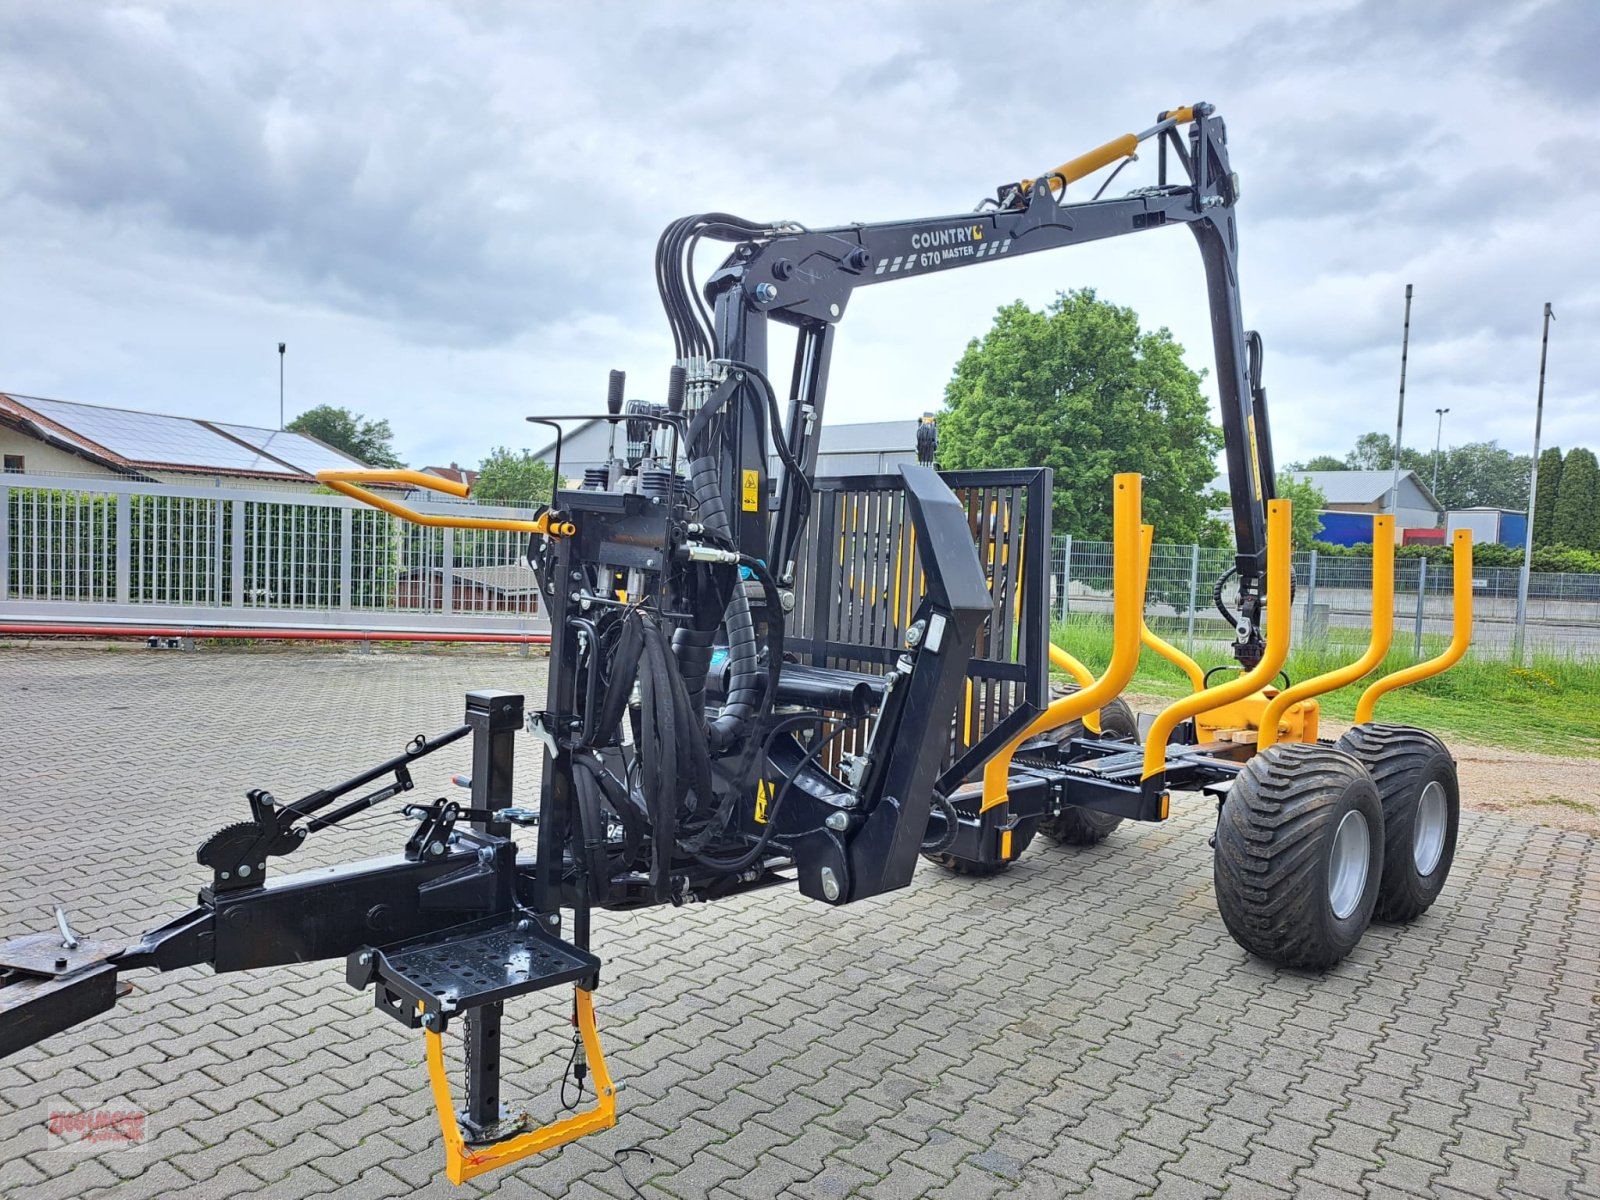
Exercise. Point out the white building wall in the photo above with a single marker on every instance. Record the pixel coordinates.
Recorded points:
(580, 450)
(1415, 518)
(41, 458)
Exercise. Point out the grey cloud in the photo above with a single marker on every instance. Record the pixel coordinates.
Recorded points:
(479, 188)
(368, 193)
(1553, 49)
(1414, 32)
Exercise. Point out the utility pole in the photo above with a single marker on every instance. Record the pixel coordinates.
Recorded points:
(282, 346)
(1400, 416)
(1438, 440)
(1518, 638)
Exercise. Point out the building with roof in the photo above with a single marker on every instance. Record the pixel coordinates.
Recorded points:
(866, 447)
(455, 473)
(39, 436)
(861, 448)
(509, 588)
(1352, 498)
(584, 445)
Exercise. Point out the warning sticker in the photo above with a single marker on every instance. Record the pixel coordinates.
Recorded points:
(1255, 457)
(752, 491)
(763, 797)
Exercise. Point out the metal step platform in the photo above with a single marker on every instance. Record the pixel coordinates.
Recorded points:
(422, 982)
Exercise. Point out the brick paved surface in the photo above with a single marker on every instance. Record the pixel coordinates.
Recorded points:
(1082, 1024)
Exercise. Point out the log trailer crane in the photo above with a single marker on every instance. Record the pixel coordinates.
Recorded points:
(759, 681)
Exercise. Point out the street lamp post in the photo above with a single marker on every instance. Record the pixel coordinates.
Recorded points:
(1400, 414)
(282, 346)
(1438, 440)
(1519, 631)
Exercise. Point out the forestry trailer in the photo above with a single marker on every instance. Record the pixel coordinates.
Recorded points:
(762, 678)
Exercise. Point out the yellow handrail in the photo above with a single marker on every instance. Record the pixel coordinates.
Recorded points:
(1196, 674)
(1377, 647)
(1273, 655)
(1127, 600)
(1460, 636)
(347, 482)
(463, 1162)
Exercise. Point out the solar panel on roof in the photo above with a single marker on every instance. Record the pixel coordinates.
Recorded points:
(305, 453)
(152, 438)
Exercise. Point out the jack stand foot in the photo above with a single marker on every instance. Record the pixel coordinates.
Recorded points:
(509, 1125)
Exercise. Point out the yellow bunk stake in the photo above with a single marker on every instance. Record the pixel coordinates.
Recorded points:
(1196, 674)
(1382, 635)
(348, 483)
(463, 1162)
(1127, 605)
(1258, 677)
(1460, 636)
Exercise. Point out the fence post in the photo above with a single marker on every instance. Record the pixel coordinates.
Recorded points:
(5, 542)
(347, 539)
(216, 545)
(447, 577)
(1422, 590)
(1311, 598)
(1194, 590)
(1066, 577)
(124, 546)
(236, 571)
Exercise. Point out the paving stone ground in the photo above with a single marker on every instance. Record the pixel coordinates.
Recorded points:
(1080, 1025)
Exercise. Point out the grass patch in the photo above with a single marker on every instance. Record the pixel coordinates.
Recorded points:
(1549, 707)
(1575, 805)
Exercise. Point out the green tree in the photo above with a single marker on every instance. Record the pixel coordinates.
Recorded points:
(1082, 389)
(1470, 475)
(1544, 518)
(1309, 501)
(1481, 474)
(514, 478)
(1322, 462)
(1577, 523)
(370, 441)
(1375, 452)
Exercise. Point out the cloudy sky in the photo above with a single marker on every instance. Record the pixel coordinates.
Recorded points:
(449, 211)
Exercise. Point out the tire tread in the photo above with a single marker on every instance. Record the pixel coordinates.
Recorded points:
(1271, 840)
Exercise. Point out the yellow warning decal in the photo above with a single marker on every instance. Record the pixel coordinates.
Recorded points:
(1255, 457)
(763, 798)
(752, 491)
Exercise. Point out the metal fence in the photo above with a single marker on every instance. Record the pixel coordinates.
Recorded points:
(107, 551)
(74, 551)
(1336, 593)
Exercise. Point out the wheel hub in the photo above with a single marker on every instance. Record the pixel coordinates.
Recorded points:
(1347, 864)
(1429, 826)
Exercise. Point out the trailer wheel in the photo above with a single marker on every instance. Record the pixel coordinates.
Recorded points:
(1299, 855)
(1021, 837)
(1084, 826)
(1417, 785)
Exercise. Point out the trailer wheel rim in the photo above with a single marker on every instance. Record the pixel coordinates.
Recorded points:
(1347, 864)
(1429, 828)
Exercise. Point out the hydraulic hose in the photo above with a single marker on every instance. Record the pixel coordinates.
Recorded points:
(629, 815)
(592, 837)
(952, 825)
(748, 859)
(693, 647)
